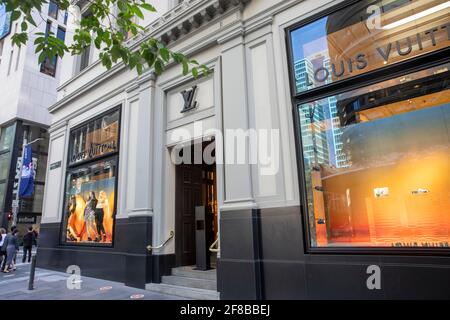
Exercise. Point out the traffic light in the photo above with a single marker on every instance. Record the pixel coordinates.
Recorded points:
(10, 216)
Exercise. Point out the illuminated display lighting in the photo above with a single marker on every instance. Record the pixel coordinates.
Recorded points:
(416, 16)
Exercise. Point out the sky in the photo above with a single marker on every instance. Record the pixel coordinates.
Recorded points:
(309, 39)
(5, 23)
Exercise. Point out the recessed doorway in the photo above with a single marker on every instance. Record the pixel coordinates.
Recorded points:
(195, 191)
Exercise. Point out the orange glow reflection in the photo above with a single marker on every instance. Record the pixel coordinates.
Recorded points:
(414, 212)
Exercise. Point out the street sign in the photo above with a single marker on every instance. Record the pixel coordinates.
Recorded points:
(15, 203)
(29, 219)
(55, 165)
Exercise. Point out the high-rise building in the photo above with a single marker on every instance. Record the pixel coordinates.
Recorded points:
(28, 89)
(312, 117)
(337, 156)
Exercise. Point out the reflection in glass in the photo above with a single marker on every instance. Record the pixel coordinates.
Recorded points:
(5, 160)
(2, 194)
(377, 163)
(7, 137)
(90, 203)
(96, 138)
(53, 9)
(356, 39)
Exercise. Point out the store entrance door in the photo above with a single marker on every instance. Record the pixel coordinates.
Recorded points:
(195, 187)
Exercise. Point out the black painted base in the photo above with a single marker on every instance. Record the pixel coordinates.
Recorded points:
(128, 261)
(263, 257)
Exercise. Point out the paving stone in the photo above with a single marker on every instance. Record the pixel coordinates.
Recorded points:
(51, 285)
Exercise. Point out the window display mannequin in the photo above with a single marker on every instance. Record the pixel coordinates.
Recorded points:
(89, 213)
(99, 215)
(71, 234)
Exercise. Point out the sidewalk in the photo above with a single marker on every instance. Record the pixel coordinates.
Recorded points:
(51, 285)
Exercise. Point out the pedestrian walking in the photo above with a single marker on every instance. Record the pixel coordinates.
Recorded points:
(2, 252)
(15, 255)
(12, 247)
(28, 241)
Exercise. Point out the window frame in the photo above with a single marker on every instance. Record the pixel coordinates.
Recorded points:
(414, 64)
(87, 51)
(57, 9)
(42, 68)
(71, 167)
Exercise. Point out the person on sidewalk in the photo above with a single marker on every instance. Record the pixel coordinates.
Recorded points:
(15, 254)
(12, 247)
(2, 253)
(4, 249)
(28, 241)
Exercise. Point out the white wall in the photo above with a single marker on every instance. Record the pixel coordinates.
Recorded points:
(26, 92)
(249, 89)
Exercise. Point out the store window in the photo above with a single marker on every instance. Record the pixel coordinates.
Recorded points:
(90, 196)
(375, 159)
(95, 139)
(5, 160)
(2, 195)
(85, 57)
(48, 67)
(377, 163)
(7, 137)
(367, 36)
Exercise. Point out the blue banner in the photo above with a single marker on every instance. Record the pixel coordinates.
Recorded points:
(26, 187)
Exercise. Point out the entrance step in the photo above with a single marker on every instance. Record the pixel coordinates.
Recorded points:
(190, 282)
(185, 292)
(190, 272)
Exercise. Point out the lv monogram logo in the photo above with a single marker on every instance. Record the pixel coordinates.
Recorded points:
(188, 96)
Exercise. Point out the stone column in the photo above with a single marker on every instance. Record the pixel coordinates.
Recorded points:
(138, 230)
(238, 267)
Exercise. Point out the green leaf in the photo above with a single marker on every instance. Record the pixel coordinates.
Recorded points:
(122, 5)
(39, 48)
(165, 54)
(137, 12)
(139, 68)
(195, 72)
(39, 40)
(149, 57)
(159, 67)
(31, 20)
(15, 15)
(185, 68)
(148, 6)
(42, 57)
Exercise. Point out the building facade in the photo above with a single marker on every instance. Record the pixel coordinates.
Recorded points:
(339, 188)
(28, 88)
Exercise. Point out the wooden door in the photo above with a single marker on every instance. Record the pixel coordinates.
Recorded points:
(188, 196)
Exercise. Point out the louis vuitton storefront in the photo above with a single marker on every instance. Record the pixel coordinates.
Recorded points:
(348, 196)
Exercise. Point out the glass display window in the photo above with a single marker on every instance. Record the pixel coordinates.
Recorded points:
(376, 163)
(90, 203)
(91, 182)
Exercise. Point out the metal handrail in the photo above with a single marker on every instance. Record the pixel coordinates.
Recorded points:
(171, 235)
(216, 242)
